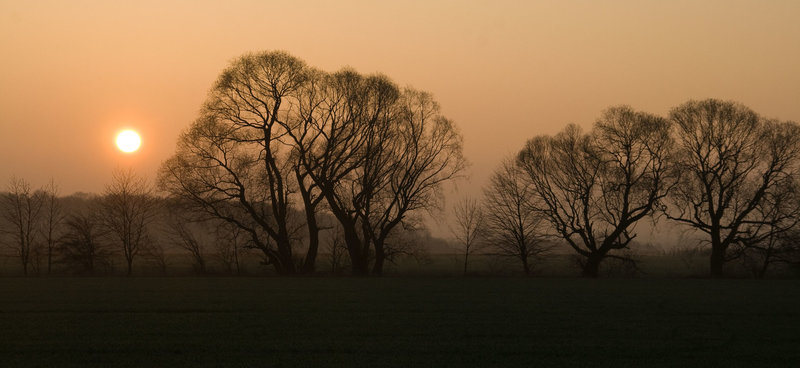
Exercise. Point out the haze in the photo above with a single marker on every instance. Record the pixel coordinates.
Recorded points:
(75, 73)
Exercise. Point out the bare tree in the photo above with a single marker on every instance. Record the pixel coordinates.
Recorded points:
(22, 210)
(469, 226)
(337, 251)
(593, 188)
(731, 159)
(52, 220)
(235, 162)
(768, 235)
(81, 248)
(229, 245)
(513, 226)
(190, 236)
(408, 242)
(274, 132)
(126, 208)
(405, 174)
(155, 253)
(378, 155)
(339, 123)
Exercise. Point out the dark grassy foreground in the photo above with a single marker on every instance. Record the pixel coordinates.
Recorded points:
(400, 322)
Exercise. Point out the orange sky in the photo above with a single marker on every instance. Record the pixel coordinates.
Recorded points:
(73, 73)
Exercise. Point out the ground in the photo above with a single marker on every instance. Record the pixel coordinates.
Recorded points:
(397, 322)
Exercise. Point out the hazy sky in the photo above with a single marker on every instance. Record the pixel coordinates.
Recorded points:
(73, 73)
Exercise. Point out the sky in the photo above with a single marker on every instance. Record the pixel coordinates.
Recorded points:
(74, 73)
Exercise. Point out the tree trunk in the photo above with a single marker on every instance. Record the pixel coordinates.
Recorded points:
(359, 265)
(466, 259)
(285, 253)
(24, 257)
(309, 265)
(359, 260)
(526, 266)
(717, 260)
(273, 258)
(236, 258)
(201, 266)
(762, 271)
(380, 256)
(49, 258)
(718, 249)
(591, 269)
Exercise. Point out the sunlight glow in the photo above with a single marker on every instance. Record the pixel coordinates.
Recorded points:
(128, 141)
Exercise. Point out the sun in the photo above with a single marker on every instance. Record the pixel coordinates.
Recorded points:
(128, 141)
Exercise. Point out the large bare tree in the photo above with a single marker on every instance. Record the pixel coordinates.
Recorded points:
(22, 211)
(338, 122)
(402, 172)
(732, 159)
(377, 154)
(594, 187)
(275, 135)
(234, 163)
(127, 208)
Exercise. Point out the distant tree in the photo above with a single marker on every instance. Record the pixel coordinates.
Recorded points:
(468, 228)
(513, 227)
(732, 160)
(593, 188)
(190, 233)
(22, 209)
(337, 251)
(156, 253)
(126, 209)
(409, 241)
(230, 243)
(52, 220)
(82, 248)
(204, 238)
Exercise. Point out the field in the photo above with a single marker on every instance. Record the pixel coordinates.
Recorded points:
(397, 322)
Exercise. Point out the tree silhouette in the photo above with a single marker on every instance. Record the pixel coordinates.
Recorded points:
(378, 155)
(593, 188)
(513, 226)
(126, 208)
(82, 248)
(52, 220)
(190, 235)
(234, 163)
(274, 132)
(22, 210)
(469, 227)
(732, 160)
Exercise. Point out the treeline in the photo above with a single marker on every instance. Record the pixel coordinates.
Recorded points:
(714, 167)
(130, 229)
(285, 159)
(83, 233)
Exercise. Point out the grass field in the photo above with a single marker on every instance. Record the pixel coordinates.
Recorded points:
(397, 322)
